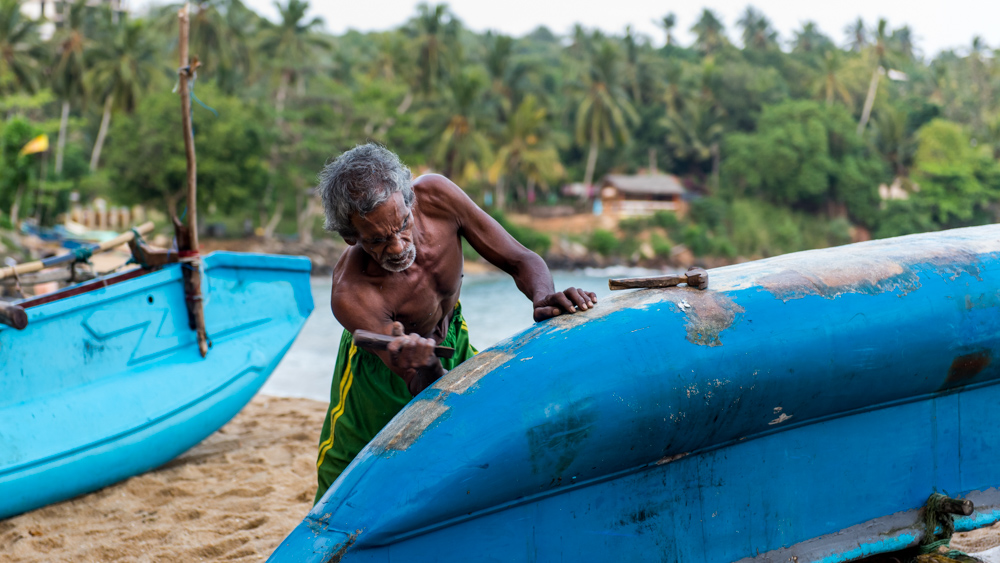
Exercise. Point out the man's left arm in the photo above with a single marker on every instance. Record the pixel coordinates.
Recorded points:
(529, 271)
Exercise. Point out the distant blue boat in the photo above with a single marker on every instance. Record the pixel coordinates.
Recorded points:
(107, 382)
(803, 408)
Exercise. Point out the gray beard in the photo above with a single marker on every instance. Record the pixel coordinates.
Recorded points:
(401, 261)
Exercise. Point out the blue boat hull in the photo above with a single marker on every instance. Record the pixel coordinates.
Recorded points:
(803, 408)
(108, 384)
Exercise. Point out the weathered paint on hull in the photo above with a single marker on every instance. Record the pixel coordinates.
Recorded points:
(803, 407)
(107, 384)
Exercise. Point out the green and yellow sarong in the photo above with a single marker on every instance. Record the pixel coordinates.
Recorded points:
(364, 397)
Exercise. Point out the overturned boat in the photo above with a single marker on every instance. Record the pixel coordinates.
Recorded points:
(106, 381)
(803, 408)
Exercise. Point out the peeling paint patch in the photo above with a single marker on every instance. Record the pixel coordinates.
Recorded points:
(866, 276)
(636, 299)
(708, 313)
(407, 427)
(468, 374)
(783, 417)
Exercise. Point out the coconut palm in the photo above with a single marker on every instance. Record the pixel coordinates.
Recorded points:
(290, 46)
(604, 113)
(878, 52)
(830, 86)
(667, 23)
(20, 49)
(122, 64)
(710, 32)
(71, 40)
(435, 29)
(757, 31)
(857, 35)
(694, 133)
(528, 149)
(810, 39)
(462, 148)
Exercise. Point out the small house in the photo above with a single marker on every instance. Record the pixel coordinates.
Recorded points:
(624, 196)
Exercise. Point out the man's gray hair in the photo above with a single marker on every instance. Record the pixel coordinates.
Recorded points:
(357, 182)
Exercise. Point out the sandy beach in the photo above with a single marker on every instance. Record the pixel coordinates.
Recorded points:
(233, 497)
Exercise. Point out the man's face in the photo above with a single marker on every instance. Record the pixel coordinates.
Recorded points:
(386, 234)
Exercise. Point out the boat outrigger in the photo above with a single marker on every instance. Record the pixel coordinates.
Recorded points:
(802, 408)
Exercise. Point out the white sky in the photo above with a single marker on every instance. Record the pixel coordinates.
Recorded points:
(937, 24)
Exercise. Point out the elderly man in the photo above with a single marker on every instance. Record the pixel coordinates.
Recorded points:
(401, 276)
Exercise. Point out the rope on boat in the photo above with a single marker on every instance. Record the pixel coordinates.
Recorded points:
(83, 253)
(935, 515)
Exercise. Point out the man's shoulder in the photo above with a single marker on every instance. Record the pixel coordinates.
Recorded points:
(437, 194)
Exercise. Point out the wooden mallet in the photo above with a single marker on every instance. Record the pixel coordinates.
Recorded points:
(375, 341)
(694, 277)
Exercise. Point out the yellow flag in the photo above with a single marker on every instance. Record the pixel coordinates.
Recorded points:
(38, 144)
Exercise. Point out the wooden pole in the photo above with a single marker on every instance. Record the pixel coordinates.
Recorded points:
(31, 267)
(189, 251)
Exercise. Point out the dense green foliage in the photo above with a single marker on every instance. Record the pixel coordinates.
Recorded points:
(783, 142)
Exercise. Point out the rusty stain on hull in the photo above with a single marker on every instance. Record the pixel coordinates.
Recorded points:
(964, 368)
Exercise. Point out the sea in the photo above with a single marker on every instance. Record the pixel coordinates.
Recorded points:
(491, 303)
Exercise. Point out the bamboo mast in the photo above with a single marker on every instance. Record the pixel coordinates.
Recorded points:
(187, 242)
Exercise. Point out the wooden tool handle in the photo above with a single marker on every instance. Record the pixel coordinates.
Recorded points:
(639, 283)
(13, 315)
(375, 341)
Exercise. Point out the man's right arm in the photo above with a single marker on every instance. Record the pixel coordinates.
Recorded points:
(409, 356)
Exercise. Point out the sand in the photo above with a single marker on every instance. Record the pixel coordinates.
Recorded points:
(233, 497)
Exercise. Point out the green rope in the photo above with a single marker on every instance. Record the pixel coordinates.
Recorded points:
(935, 516)
(83, 254)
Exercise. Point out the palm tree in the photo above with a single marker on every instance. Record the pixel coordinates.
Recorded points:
(219, 38)
(902, 42)
(528, 149)
(604, 113)
(20, 49)
(68, 76)
(830, 84)
(810, 39)
(709, 30)
(857, 35)
(668, 22)
(757, 30)
(878, 53)
(462, 148)
(291, 47)
(436, 30)
(694, 133)
(980, 78)
(632, 63)
(122, 65)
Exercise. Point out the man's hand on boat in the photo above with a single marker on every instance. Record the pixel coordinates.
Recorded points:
(568, 301)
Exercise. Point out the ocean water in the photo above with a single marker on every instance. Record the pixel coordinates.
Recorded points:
(491, 303)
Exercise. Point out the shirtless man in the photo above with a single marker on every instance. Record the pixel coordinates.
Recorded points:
(401, 276)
